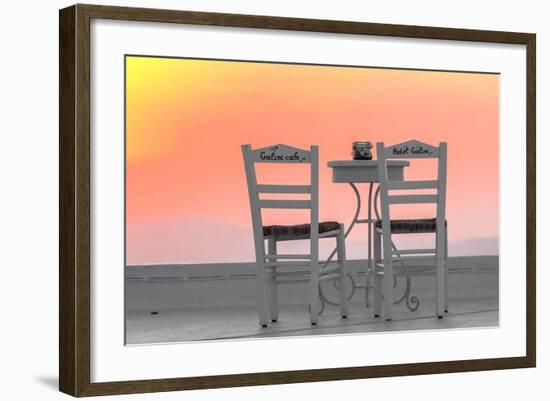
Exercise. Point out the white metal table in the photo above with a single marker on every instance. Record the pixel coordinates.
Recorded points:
(353, 172)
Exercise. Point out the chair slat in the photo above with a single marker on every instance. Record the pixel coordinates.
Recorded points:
(331, 276)
(284, 204)
(412, 251)
(280, 154)
(288, 264)
(328, 234)
(283, 189)
(288, 256)
(292, 273)
(330, 269)
(430, 259)
(404, 199)
(432, 184)
(411, 150)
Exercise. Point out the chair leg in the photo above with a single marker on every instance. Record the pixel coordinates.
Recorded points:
(262, 292)
(314, 302)
(387, 281)
(368, 281)
(341, 250)
(446, 271)
(273, 296)
(440, 274)
(377, 277)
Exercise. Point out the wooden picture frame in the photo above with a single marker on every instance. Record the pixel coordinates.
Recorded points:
(74, 199)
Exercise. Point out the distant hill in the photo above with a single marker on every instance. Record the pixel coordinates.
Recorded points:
(194, 240)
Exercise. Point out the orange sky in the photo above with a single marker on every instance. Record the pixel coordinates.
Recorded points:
(186, 196)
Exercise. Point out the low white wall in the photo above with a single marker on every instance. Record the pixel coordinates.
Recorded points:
(234, 285)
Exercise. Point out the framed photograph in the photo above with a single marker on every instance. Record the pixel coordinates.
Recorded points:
(249, 200)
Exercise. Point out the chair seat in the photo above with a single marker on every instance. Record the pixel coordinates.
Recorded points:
(299, 230)
(410, 226)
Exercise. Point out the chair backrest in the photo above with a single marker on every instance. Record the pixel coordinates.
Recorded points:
(282, 154)
(412, 150)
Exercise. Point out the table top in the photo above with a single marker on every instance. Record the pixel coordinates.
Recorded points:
(355, 171)
(366, 163)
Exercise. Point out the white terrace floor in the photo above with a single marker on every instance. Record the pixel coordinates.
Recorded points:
(210, 302)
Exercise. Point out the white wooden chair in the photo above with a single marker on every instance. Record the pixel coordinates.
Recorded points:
(274, 268)
(388, 258)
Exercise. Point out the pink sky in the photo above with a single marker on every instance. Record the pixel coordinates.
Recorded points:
(186, 196)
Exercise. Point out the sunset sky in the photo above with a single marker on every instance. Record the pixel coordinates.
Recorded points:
(186, 195)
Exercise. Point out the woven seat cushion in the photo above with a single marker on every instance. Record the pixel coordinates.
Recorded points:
(410, 226)
(300, 230)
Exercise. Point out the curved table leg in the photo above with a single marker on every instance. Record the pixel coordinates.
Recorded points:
(370, 262)
(353, 286)
(353, 221)
(412, 302)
